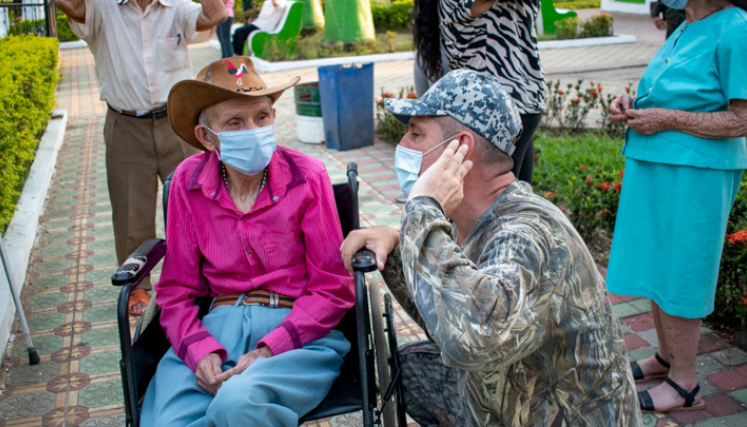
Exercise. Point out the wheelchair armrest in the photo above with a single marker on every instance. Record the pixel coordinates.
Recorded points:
(140, 263)
(364, 261)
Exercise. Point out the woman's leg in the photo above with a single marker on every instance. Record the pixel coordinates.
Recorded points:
(681, 336)
(524, 154)
(650, 365)
(224, 37)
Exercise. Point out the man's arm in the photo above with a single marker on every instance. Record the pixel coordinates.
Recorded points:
(213, 13)
(74, 9)
(482, 317)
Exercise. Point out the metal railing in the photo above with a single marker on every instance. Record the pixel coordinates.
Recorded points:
(36, 18)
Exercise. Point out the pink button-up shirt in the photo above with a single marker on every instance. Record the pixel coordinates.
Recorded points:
(288, 243)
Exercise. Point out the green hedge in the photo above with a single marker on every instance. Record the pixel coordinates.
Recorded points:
(394, 16)
(27, 97)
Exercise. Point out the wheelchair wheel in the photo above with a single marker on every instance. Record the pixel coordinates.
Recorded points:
(382, 354)
(145, 319)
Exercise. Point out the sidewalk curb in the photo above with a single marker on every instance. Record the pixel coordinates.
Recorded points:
(21, 233)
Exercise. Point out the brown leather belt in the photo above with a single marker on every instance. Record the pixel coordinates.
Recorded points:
(255, 297)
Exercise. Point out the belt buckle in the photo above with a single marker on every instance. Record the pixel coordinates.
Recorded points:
(244, 302)
(274, 299)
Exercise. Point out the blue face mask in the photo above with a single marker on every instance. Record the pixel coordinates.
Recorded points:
(407, 164)
(248, 151)
(675, 4)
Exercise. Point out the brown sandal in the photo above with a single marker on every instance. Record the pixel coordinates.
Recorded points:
(137, 296)
(647, 403)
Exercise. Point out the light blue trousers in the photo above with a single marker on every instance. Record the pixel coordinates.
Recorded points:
(273, 392)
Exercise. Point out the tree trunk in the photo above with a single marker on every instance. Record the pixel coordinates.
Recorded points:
(348, 21)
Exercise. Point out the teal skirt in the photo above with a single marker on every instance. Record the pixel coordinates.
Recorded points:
(669, 235)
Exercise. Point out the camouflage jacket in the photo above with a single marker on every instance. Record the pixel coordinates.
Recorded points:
(520, 309)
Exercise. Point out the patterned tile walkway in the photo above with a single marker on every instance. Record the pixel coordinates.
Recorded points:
(70, 302)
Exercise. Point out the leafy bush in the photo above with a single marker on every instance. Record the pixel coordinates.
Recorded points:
(64, 33)
(28, 27)
(578, 4)
(312, 47)
(389, 128)
(731, 288)
(27, 86)
(394, 16)
(569, 107)
(597, 26)
(567, 28)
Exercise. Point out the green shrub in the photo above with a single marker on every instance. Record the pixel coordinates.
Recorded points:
(27, 26)
(578, 4)
(567, 28)
(394, 16)
(597, 26)
(64, 33)
(27, 97)
(389, 128)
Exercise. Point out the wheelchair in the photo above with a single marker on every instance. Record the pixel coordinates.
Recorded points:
(369, 330)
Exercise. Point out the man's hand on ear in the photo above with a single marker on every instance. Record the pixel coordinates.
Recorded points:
(444, 180)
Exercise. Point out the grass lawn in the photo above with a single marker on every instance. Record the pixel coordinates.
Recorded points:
(578, 4)
(560, 156)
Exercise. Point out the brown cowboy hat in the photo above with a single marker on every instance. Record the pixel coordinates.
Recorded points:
(225, 79)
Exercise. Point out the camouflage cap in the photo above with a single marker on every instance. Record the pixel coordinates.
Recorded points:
(474, 99)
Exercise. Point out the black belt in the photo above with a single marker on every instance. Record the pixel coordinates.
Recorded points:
(150, 115)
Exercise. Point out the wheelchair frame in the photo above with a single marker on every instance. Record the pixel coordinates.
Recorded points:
(380, 407)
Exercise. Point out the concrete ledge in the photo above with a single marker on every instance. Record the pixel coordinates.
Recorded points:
(264, 66)
(78, 44)
(594, 41)
(21, 234)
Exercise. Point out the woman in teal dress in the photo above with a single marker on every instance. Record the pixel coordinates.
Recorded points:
(685, 152)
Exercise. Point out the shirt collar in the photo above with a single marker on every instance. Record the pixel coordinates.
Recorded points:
(283, 174)
(166, 3)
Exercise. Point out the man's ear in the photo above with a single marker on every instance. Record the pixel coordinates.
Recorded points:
(466, 138)
(205, 138)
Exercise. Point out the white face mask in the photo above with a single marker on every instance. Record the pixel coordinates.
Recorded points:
(407, 164)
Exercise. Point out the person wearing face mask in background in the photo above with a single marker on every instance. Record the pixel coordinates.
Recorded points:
(685, 153)
(667, 18)
(255, 226)
(521, 329)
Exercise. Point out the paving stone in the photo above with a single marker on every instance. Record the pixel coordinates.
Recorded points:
(108, 421)
(624, 310)
(706, 388)
(44, 344)
(102, 313)
(102, 259)
(52, 266)
(101, 231)
(729, 380)
(102, 293)
(633, 342)
(706, 364)
(710, 342)
(45, 322)
(26, 405)
(641, 322)
(101, 394)
(730, 357)
(690, 417)
(722, 405)
(53, 251)
(649, 420)
(61, 417)
(100, 363)
(650, 337)
(24, 375)
(99, 276)
(45, 300)
(49, 282)
(641, 353)
(101, 337)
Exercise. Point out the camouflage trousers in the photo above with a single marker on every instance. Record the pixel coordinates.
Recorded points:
(430, 388)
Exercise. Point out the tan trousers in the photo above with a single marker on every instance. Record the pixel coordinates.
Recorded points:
(138, 153)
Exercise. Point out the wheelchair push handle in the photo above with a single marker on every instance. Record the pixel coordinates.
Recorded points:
(364, 261)
(130, 269)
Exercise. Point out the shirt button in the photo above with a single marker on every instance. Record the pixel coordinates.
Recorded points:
(666, 60)
(249, 252)
(275, 199)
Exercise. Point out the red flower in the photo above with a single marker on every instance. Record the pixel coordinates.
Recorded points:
(739, 236)
(380, 101)
(549, 194)
(601, 213)
(605, 186)
(595, 94)
(576, 100)
(412, 95)
(617, 186)
(387, 95)
(581, 167)
(600, 88)
(561, 92)
(627, 89)
(588, 180)
(622, 173)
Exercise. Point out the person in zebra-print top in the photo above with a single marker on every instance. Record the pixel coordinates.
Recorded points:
(495, 37)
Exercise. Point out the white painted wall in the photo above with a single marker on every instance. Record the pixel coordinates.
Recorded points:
(626, 7)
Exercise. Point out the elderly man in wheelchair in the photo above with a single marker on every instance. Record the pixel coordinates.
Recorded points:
(254, 226)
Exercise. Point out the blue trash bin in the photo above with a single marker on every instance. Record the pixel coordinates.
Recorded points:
(347, 105)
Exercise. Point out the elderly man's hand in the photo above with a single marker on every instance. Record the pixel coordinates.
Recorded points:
(243, 363)
(618, 108)
(207, 369)
(650, 120)
(444, 180)
(379, 240)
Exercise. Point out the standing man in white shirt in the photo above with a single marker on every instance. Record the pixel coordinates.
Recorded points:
(140, 51)
(269, 18)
